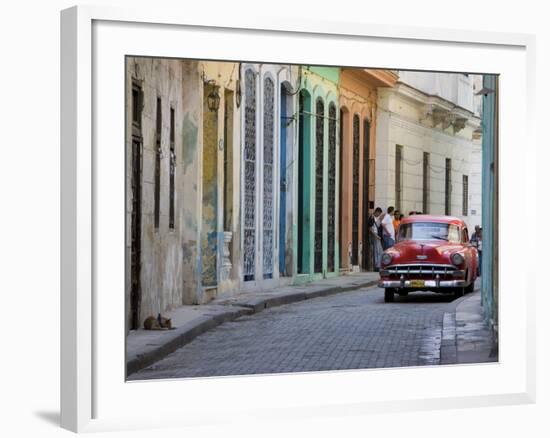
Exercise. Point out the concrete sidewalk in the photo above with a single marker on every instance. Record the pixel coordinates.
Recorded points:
(144, 347)
(466, 336)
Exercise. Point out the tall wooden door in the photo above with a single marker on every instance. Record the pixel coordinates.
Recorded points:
(355, 195)
(136, 188)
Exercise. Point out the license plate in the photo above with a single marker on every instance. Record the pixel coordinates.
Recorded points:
(417, 283)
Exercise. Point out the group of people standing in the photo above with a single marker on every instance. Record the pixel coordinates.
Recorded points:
(383, 229)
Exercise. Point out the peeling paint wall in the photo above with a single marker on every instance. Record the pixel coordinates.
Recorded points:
(209, 234)
(220, 252)
(167, 254)
(190, 138)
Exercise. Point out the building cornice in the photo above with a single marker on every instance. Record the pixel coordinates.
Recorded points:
(439, 111)
(373, 77)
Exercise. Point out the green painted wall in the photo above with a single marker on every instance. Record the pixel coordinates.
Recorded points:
(318, 83)
(330, 73)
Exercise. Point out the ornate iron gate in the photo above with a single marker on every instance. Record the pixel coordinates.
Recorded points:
(331, 186)
(282, 185)
(367, 254)
(319, 169)
(355, 211)
(268, 103)
(249, 238)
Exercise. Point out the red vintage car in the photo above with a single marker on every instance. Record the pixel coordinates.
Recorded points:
(430, 253)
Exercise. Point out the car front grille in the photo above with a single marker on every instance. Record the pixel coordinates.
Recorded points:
(424, 271)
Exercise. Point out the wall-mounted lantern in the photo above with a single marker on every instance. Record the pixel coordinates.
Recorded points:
(213, 97)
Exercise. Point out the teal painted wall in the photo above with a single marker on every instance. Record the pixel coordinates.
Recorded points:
(330, 73)
(488, 199)
(318, 83)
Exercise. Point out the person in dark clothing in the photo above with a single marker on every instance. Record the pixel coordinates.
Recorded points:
(375, 237)
(476, 240)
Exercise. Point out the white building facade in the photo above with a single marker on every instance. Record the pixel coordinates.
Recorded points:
(428, 146)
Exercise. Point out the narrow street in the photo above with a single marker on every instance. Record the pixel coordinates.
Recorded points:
(351, 330)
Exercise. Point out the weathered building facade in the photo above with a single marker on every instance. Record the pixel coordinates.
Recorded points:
(427, 130)
(182, 183)
(358, 103)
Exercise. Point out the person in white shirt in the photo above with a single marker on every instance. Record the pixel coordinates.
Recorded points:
(388, 231)
(375, 240)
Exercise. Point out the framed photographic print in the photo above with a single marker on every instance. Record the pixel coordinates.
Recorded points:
(243, 219)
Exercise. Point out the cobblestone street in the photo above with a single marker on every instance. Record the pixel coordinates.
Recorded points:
(350, 330)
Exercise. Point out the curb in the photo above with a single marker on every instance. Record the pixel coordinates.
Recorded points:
(186, 333)
(181, 336)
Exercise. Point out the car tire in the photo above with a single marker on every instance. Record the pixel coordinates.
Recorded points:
(389, 295)
(470, 288)
(459, 292)
(402, 293)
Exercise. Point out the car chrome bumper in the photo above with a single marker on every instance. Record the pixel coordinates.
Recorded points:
(427, 283)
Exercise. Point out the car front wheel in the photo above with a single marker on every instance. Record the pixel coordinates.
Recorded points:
(389, 295)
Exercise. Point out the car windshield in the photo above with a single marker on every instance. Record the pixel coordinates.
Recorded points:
(428, 231)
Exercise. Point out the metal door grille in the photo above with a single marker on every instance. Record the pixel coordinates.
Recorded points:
(355, 207)
(331, 214)
(366, 253)
(268, 102)
(340, 181)
(249, 238)
(319, 169)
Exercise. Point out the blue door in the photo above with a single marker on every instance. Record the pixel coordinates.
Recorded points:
(283, 181)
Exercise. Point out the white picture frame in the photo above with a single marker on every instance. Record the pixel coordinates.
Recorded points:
(90, 401)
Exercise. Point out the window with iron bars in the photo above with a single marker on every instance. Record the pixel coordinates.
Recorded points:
(172, 169)
(448, 186)
(464, 195)
(398, 176)
(426, 183)
(157, 161)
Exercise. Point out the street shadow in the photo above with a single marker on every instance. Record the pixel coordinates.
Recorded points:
(424, 297)
(51, 417)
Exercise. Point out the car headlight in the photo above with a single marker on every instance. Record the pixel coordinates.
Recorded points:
(386, 258)
(457, 259)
